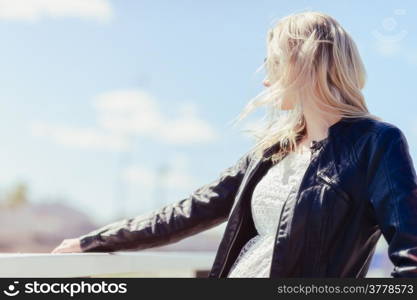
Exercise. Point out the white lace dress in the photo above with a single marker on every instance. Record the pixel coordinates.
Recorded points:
(254, 260)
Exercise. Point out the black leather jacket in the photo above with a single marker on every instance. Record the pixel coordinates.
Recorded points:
(360, 183)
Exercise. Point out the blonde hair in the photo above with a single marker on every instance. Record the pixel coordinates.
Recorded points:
(310, 57)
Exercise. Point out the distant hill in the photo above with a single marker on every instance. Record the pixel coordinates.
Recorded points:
(38, 228)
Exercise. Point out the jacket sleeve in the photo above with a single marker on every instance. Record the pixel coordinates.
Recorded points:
(393, 195)
(204, 208)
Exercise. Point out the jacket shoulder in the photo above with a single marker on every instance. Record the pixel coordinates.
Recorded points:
(377, 128)
(367, 136)
(376, 136)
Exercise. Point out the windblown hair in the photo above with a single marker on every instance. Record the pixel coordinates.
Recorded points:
(310, 57)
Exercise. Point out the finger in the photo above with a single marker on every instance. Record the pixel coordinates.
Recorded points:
(58, 249)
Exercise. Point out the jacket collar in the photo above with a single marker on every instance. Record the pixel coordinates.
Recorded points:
(333, 131)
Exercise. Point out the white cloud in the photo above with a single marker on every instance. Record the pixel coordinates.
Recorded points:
(85, 138)
(127, 114)
(33, 10)
(412, 57)
(396, 50)
(137, 112)
(388, 48)
(174, 175)
(131, 111)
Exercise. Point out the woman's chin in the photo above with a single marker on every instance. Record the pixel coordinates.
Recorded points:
(287, 107)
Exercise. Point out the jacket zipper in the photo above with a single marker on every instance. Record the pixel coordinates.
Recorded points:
(240, 223)
(230, 248)
(276, 234)
(324, 178)
(313, 151)
(328, 181)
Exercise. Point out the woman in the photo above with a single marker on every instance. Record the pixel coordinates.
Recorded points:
(323, 182)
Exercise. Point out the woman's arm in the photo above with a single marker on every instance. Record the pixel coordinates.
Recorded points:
(206, 207)
(393, 194)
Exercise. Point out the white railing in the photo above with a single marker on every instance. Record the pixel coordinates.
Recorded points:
(114, 264)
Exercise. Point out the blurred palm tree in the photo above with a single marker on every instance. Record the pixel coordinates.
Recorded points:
(16, 197)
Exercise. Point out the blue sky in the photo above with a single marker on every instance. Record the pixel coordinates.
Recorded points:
(96, 96)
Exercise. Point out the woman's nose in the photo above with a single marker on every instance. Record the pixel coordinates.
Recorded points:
(266, 83)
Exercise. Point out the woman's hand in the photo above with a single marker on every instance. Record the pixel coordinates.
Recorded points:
(67, 246)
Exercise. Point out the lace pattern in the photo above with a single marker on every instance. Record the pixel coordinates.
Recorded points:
(254, 259)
